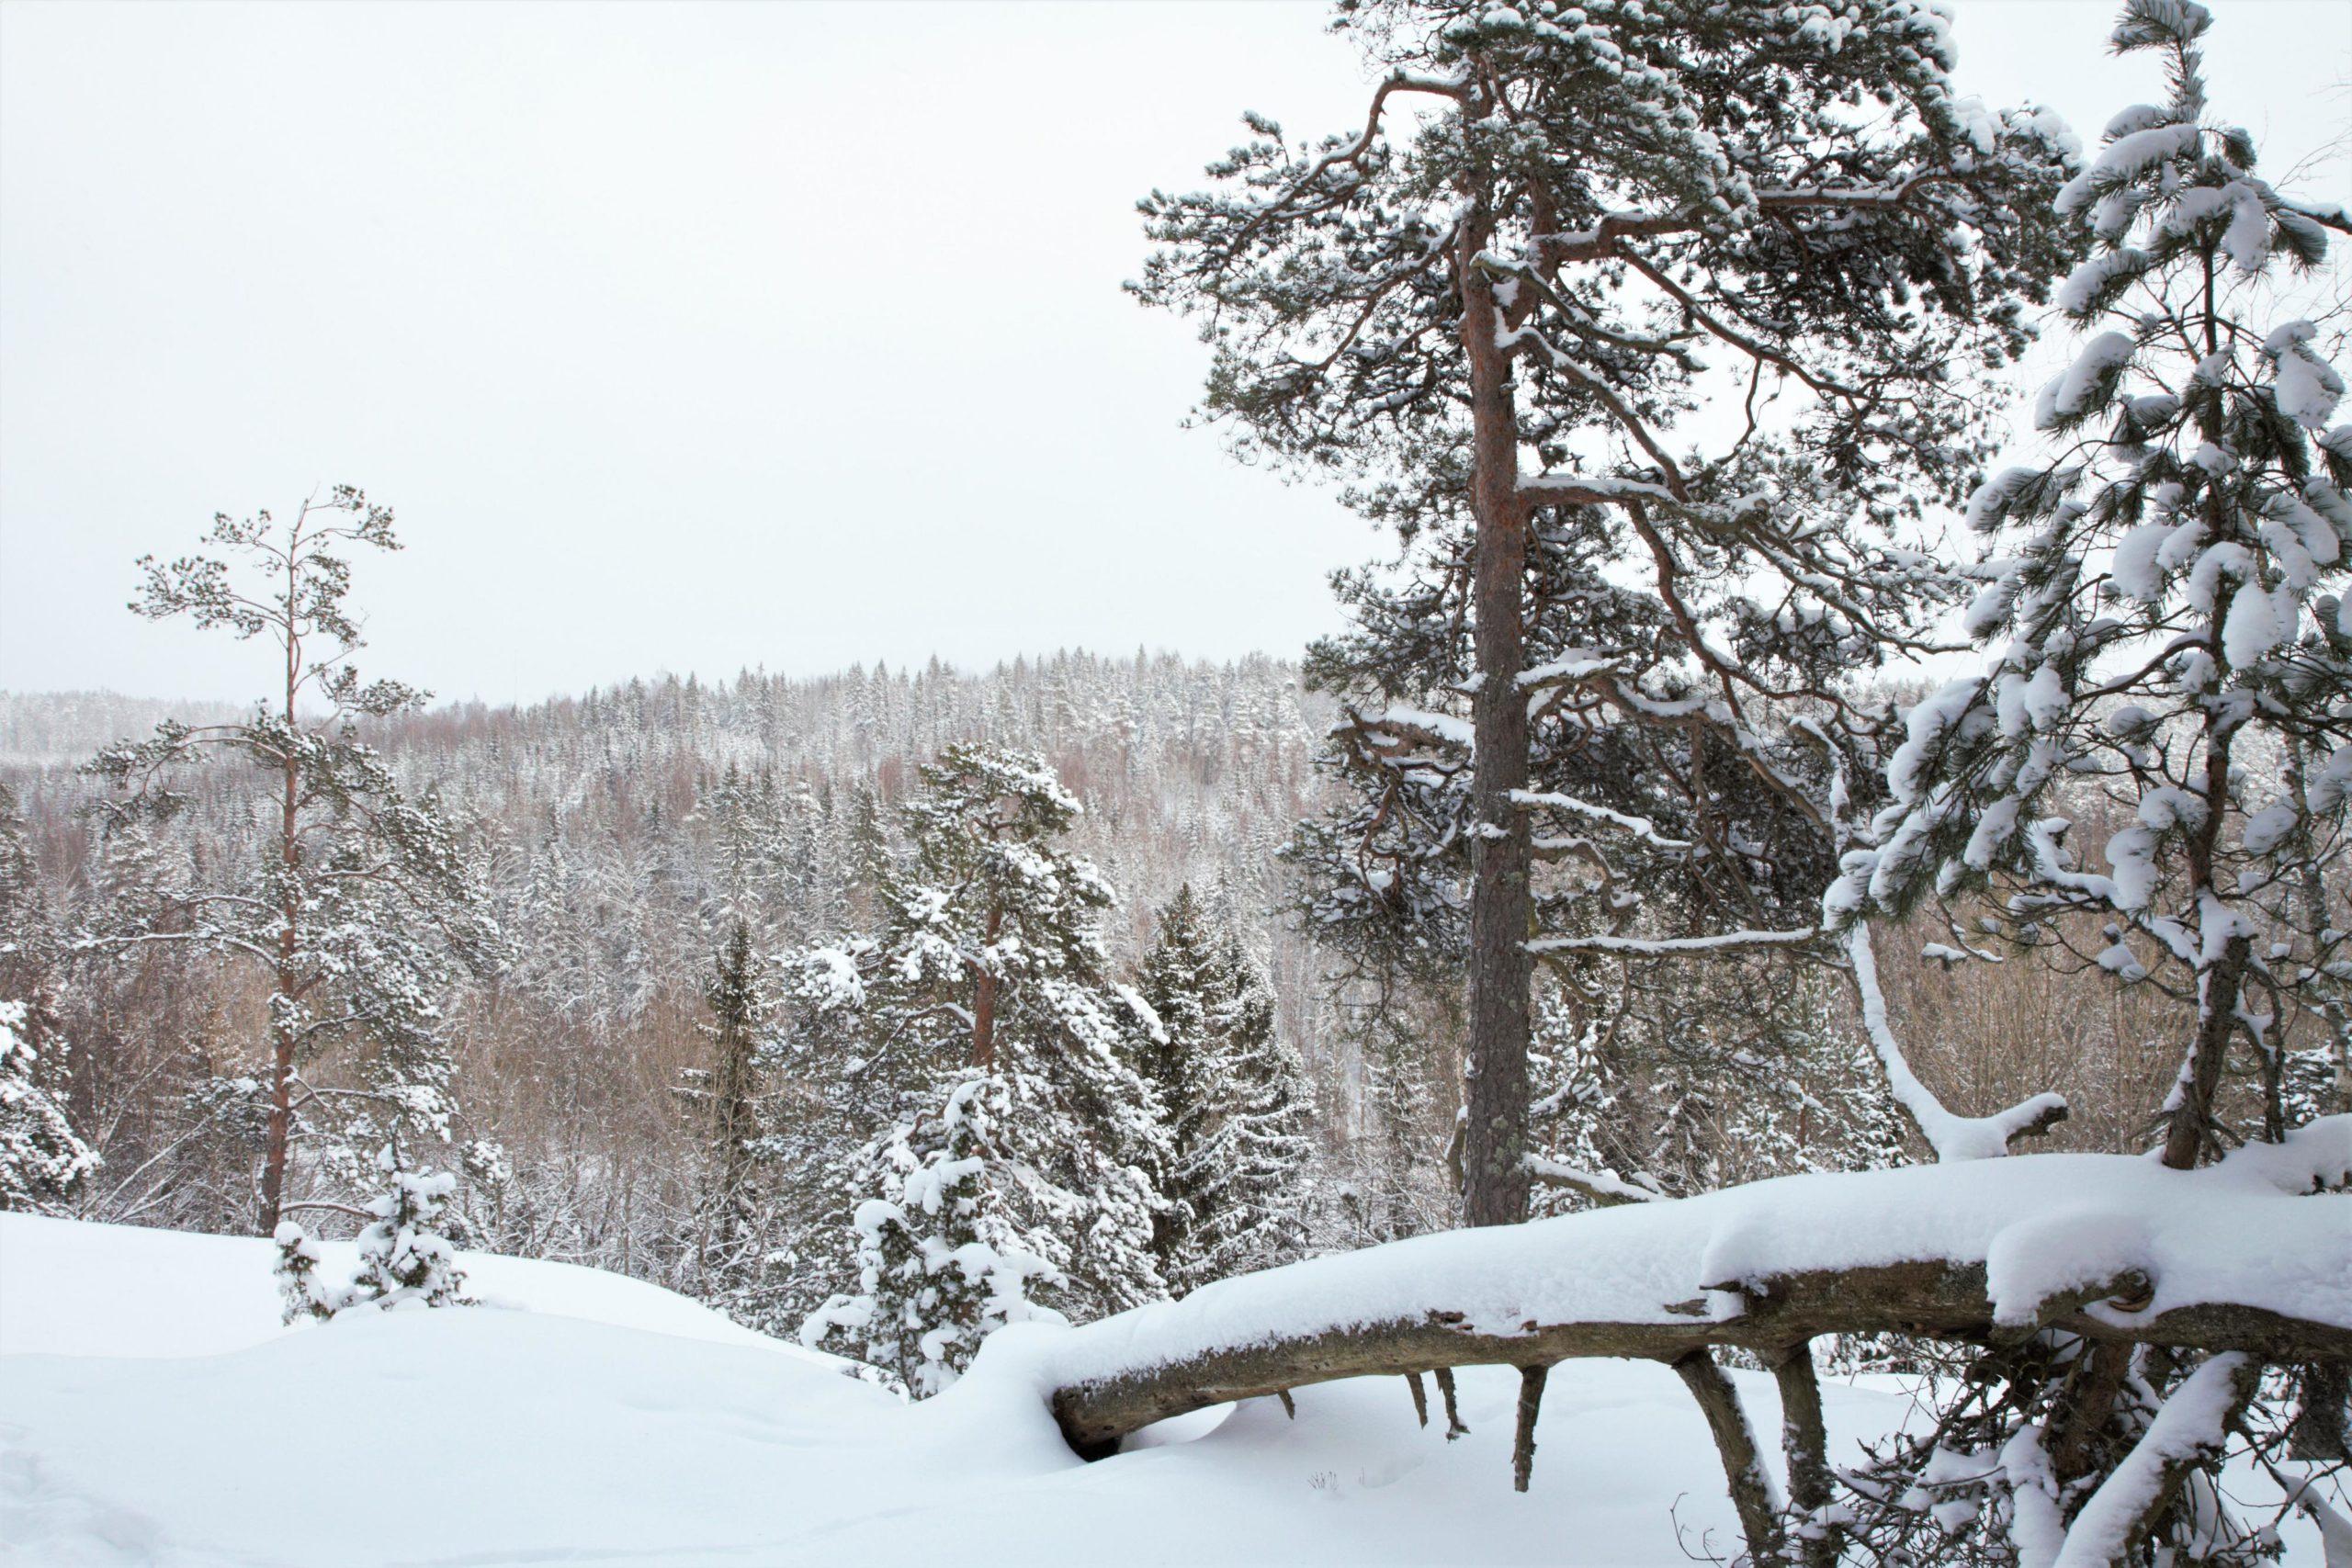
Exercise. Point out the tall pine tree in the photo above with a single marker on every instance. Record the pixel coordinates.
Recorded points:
(357, 908)
(1504, 325)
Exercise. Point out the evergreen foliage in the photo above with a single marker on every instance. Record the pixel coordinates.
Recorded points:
(1235, 1102)
(942, 1264)
(358, 909)
(1503, 326)
(407, 1251)
(2168, 647)
(991, 962)
(1270, 1113)
(407, 1254)
(2164, 614)
(44, 1163)
(729, 1096)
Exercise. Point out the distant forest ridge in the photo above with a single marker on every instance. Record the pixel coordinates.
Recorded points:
(62, 727)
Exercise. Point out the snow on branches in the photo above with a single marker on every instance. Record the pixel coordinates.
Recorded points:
(356, 908)
(942, 1265)
(407, 1252)
(989, 961)
(2163, 614)
(42, 1160)
(1501, 321)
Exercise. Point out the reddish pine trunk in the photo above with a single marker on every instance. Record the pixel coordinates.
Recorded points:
(1501, 907)
(984, 1003)
(2217, 1004)
(289, 849)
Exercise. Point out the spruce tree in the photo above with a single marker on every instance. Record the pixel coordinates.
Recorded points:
(1234, 1100)
(989, 965)
(730, 1102)
(301, 1292)
(408, 1251)
(1588, 1152)
(1269, 1115)
(941, 1262)
(44, 1163)
(1180, 1053)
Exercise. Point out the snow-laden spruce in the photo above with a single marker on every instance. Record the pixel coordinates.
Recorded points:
(408, 1249)
(1234, 1099)
(987, 989)
(42, 1159)
(44, 1163)
(942, 1264)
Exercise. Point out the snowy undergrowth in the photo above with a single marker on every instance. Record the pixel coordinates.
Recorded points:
(153, 1411)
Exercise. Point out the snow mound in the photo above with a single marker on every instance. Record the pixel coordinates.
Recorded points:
(152, 1412)
(72, 1289)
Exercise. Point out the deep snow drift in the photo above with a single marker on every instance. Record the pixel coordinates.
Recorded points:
(153, 1411)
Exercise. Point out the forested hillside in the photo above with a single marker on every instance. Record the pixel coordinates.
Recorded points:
(620, 832)
(1777, 868)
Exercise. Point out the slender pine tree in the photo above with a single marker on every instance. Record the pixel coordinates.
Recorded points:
(360, 909)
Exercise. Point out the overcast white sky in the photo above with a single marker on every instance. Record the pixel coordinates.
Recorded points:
(690, 338)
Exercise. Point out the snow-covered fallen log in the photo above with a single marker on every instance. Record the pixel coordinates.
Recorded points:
(2252, 1253)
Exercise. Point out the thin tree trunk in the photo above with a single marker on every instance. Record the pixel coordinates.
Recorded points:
(1531, 1406)
(1751, 1494)
(2313, 891)
(1805, 1440)
(984, 1001)
(2220, 983)
(289, 852)
(2191, 1124)
(1502, 906)
(1453, 1427)
(2090, 1396)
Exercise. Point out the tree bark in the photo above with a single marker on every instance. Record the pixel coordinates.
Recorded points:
(2217, 1012)
(2219, 985)
(1531, 1406)
(1805, 1440)
(1453, 1424)
(1934, 1300)
(984, 1000)
(1751, 1494)
(280, 1135)
(2090, 1396)
(1502, 904)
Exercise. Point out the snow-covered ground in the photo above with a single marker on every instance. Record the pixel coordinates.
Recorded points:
(151, 1411)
